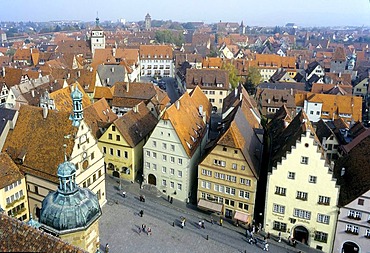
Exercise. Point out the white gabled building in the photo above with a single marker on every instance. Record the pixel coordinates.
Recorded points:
(173, 151)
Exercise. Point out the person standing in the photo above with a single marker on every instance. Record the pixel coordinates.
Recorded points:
(141, 213)
(221, 221)
(182, 223)
(279, 237)
(106, 248)
(203, 224)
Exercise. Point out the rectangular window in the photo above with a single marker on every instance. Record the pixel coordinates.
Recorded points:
(172, 147)
(244, 194)
(302, 195)
(154, 144)
(291, 175)
(172, 171)
(312, 179)
(164, 145)
(92, 156)
(234, 166)
(180, 161)
(126, 154)
(154, 166)
(278, 209)
(243, 167)
(104, 150)
(322, 218)
(245, 181)
(302, 214)
(219, 162)
(280, 191)
(304, 160)
(118, 153)
(360, 202)
(118, 137)
(321, 236)
(172, 184)
(164, 169)
(323, 200)
(164, 158)
(367, 233)
(354, 215)
(279, 226)
(110, 136)
(179, 187)
(147, 165)
(172, 159)
(164, 183)
(154, 155)
(179, 173)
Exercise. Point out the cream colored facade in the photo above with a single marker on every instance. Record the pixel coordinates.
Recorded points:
(85, 239)
(215, 96)
(302, 196)
(119, 155)
(89, 162)
(13, 199)
(224, 177)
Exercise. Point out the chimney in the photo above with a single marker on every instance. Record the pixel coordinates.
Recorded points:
(45, 112)
(68, 75)
(201, 110)
(291, 91)
(33, 93)
(112, 69)
(342, 172)
(114, 52)
(78, 73)
(177, 104)
(3, 71)
(340, 74)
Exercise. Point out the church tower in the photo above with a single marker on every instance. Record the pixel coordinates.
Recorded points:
(97, 37)
(148, 22)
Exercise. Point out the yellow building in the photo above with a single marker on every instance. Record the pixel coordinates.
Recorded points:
(227, 176)
(122, 143)
(13, 192)
(301, 193)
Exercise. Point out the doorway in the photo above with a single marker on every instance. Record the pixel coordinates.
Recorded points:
(350, 247)
(301, 234)
(152, 180)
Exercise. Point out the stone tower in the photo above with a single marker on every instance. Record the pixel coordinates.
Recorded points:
(97, 37)
(148, 22)
(71, 213)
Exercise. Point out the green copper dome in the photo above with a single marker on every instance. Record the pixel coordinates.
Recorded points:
(76, 93)
(70, 208)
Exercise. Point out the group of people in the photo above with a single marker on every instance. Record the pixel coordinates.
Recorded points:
(144, 229)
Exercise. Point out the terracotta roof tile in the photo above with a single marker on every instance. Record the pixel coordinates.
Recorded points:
(9, 172)
(156, 51)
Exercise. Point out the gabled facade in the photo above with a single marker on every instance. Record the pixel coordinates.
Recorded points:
(122, 143)
(37, 150)
(173, 151)
(228, 175)
(13, 191)
(301, 195)
(361, 89)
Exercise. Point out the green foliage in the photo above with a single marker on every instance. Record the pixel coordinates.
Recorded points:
(234, 79)
(253, 79)
(189, 26)
(167, 36)
(10, 52)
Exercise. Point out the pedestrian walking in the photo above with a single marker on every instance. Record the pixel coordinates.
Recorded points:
(143, 226)
(203, 224)
(106, 250)
(212, 221)
(200, 224)
(171, 200)
(279, 237)
(149, 231)
(182, 224)
(141, 213)
(221, 221)
(253, 229)
(168, 198)
(266, 247)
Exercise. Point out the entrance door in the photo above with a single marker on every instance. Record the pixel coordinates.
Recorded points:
(350, 247)
(228, 213)
(301, 234)
(116, 174)
(152, 180)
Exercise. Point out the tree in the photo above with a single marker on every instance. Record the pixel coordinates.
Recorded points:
(234, 79)
(253, 79)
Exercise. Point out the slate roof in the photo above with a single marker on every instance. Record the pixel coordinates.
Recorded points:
(5, 114)
(115, 73)
(17, 236)
(136, 124)
(282, 86)
(41, 140)
(207, 79)
(9, 172)
(356, 179)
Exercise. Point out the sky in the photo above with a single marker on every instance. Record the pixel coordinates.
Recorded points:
(252, 12)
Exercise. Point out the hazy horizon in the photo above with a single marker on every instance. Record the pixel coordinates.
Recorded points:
(267, 13)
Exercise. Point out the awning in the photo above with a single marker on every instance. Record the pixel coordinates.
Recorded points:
(216, 207)
(241, 216)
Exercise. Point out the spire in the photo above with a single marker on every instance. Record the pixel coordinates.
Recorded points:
(77, 115)
(97, 19)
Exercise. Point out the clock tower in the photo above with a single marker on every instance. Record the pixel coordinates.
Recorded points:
(97, 37)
